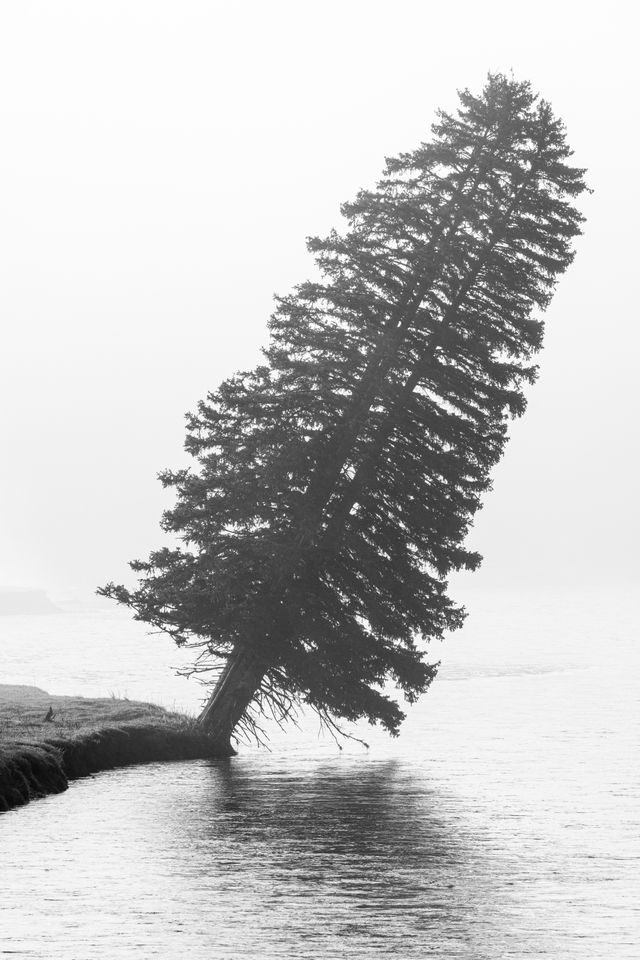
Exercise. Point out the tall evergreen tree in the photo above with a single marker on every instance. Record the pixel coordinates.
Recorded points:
(335, 483)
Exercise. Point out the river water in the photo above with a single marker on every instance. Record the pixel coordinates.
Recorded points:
(504, 822)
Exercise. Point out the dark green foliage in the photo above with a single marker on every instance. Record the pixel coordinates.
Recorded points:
(334, 484)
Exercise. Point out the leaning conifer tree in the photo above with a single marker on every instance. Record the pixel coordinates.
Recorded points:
(335, 483)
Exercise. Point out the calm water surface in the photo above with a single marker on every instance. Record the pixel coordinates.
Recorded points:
(503, 823)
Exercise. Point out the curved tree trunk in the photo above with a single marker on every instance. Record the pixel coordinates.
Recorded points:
(232, 694)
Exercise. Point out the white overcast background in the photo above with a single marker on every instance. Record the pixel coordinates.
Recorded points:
(161, 164)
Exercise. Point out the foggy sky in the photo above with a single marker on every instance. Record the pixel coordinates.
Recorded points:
(161, 166)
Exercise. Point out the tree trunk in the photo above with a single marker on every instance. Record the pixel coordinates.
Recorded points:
(232, 694)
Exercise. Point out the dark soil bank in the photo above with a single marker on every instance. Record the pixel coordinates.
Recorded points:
(39, 756)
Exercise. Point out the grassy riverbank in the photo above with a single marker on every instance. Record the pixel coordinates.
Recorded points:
(83, 736)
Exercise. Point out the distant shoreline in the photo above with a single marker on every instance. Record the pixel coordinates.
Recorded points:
(39, 757)
(29, 602)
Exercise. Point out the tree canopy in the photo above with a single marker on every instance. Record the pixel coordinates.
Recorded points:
(334, 484)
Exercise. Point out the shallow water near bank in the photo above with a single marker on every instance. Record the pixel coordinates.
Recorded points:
(504, 822)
